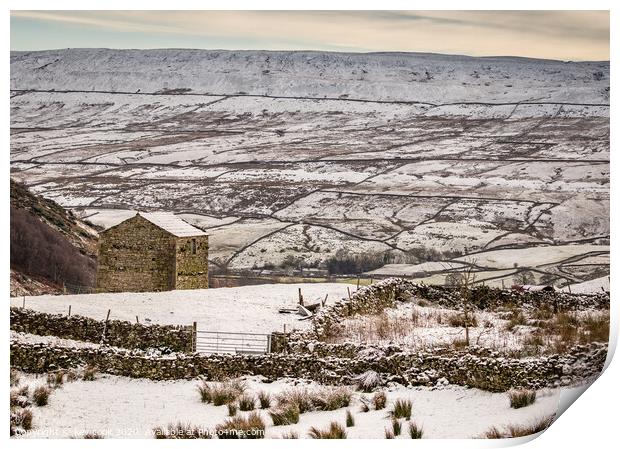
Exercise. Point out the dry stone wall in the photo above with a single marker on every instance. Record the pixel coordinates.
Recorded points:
(487, 372)
(117, 333)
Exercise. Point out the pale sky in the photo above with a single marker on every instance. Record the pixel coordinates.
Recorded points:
(565, 35)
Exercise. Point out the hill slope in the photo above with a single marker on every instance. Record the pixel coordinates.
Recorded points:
(305, 157)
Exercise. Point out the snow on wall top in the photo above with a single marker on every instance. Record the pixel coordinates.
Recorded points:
(173, 224)
(385, 77)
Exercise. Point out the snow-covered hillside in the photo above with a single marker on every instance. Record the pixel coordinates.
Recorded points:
(289, 157)
(408, 77)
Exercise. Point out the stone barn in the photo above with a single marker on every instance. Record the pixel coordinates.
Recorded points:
(152, 252)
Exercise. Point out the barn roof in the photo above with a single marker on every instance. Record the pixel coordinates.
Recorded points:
(173, 224)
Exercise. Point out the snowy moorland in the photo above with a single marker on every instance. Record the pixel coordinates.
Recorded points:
(303, 156)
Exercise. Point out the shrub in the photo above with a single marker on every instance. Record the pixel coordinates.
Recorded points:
(41, 395)
(415, 432)
(389, 434)
(379, 400)
(89, 373)
(181, 431)
(368, 381)
(72, 376)
(521, 398)
(349, 419)
(401, 409)
(396, 427)
(239, 427)
(286, 416)
(232, 409)
(335, 432)
(264, 399)
(19, 397)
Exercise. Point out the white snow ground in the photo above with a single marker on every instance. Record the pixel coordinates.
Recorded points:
(119, 407)
(239, 309)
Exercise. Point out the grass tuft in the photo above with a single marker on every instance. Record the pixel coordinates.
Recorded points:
(335, 432)
(181, 431)
(521, 398)
(286, 416)
(396, 427)
(41, 395)
(251, 426)
(264, 400)
(379, 400)
(89, 373)
(232, 409)
(349, 419)
(246, 403)
(401, 409)
(415, 431)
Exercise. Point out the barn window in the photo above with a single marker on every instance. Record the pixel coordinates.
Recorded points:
(194, 246)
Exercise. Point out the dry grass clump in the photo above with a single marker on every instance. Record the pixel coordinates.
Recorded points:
(89, 373)
(379, 400)
(20, 421)
(365, 407)
(324, 399)
(350, 422)
(401, 409)
(368, 381)
(460, 320)
(55, 380)
(92, 436)
(516, 318)
(396, 427)
(181, 431)
(246, 403)
(15, 377)
(19, 397)
(221, 393)
(415, 431)
(521, 398)
(335, 432)
(389, 434)
(41, 395)
(290, 435)
(520, 431)
(72, 375)
(264, 400)
(251, 426)
(232, 409)
(286, 416)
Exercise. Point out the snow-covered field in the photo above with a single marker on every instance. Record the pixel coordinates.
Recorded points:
(118, 407)
(307, 155)
(239, 309)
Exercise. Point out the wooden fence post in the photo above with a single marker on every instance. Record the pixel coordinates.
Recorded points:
(194, 336)
(137, 320)
(349, 293)
(24, 302)
(358, 282)
(69, 309)
(301, 297)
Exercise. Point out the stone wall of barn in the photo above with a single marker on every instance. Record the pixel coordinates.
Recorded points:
(136, 256)
(192, 262)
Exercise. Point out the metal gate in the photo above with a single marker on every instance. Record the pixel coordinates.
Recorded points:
(209, 342)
